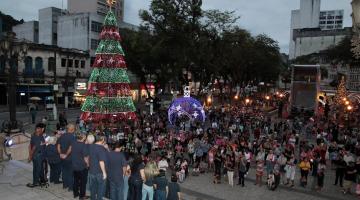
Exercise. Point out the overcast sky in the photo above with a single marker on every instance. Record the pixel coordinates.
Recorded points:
(271, 17)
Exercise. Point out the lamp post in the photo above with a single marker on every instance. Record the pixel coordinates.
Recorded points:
(348, 115)
(12, 51)
(267, 98)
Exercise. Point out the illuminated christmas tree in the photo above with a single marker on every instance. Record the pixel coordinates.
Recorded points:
(109, 95)
(341, 92)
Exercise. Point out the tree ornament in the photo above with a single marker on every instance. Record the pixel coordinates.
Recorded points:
(186, 108)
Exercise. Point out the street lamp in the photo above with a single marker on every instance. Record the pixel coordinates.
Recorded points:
(267, 97)
(349, 108)
(12, 51)
(247, 100)
(209, 100)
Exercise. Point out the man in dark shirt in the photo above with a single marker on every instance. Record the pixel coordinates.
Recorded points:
(350, 177)
(97, 169)
(116, 170)
(53, 158)
(340, 170)
(80, 160)
(161, 186)
(174, 189)
(36, 150)
(64, 147)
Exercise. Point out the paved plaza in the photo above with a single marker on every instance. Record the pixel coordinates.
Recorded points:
(14, 175)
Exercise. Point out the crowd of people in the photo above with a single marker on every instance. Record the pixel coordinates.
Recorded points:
(147, 158)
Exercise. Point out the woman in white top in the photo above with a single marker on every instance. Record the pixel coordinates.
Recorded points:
(163, 164)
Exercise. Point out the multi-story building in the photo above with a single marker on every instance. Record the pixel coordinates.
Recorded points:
(331, 19)
(48, 19)
(306, 17)
(82, 30)
(96, 6)
(28, 31)
(43, 67)
(310, 19)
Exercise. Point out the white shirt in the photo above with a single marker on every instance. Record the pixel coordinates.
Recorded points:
(163, 164)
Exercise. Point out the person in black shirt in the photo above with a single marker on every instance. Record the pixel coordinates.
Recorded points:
(53, 158)
(136, 179)
(97, 168)
(218, 163)
(174, 189)
(340, 170)
(161, 186)
(80, 163)
(116, 170)
(36, 150)
(350, 177)
(64, 147)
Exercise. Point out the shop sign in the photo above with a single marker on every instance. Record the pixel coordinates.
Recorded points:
(81, 86)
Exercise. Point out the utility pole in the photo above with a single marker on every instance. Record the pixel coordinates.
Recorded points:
(66, 84)
(55, 87)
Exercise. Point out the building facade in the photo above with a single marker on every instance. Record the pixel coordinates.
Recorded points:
(309, 13)
(96, 6)
(45, 66)
(28, 31)
(331, 19)
(82, 30)
(308, 41)
(48, 20)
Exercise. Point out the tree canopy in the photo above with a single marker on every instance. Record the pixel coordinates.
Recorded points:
(178, 35)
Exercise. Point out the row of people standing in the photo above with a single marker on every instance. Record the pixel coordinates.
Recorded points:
(86, 161)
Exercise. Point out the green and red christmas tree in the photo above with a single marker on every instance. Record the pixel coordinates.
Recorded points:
(109, 95)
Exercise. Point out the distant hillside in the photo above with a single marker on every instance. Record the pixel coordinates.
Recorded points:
(8, 22)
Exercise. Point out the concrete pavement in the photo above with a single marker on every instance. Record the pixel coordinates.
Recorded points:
(14, 175)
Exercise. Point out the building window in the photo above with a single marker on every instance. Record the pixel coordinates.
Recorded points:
(54, 38)
(51, 64)
(2, 64)
(338, 22)
(94, 43)
(39, 65)
(96, 26)
(82, 64)
(63, 62)
(330, 22)
(322, 22)
(339, 17)
(92, 60)
(70, 63)
(76, 63)
(330, 17)
(28, 65)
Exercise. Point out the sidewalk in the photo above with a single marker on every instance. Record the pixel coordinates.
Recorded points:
(14, 175)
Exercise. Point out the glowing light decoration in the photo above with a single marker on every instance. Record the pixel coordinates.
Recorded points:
(186, 108)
